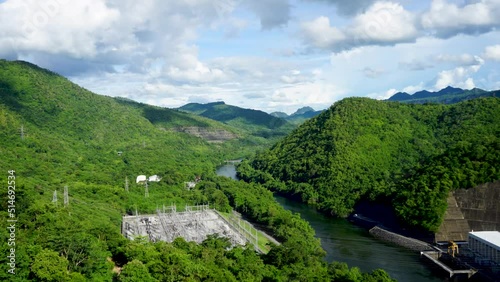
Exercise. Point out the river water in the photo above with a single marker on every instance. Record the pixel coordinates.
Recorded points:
(349, 243)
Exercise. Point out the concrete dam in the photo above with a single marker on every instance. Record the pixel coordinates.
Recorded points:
(475, 209)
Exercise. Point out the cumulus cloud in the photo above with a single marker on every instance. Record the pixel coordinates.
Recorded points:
(102, 32)
(389, 23)
(448, 19)
(415, 65)
(272, 13)
(384, 23)
(462, 59)
(372, 73)
(348, 8)
(492, 52)
(458, 77)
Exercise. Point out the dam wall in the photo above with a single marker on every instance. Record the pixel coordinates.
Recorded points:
(475, 209)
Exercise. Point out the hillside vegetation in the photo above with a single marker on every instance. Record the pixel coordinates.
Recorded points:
(407, 155)
(56, 134)
(255, 122)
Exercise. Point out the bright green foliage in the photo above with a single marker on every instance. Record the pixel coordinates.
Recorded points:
(363, 148)
(91, 144)
(135, 271)
(49, 266)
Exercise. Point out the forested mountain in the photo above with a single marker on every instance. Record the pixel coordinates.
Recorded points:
(54, 133)
(255, 122)
(448, 95)
(299, 116)
(404, 154)
(234, 115)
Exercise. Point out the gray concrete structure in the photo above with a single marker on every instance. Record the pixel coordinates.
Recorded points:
(486, 245)
(193, 224)
(476, 209)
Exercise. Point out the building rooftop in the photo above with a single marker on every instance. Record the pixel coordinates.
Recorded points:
(492, 237)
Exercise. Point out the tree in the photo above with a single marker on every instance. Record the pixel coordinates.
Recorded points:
(49, 266)
(135, 271)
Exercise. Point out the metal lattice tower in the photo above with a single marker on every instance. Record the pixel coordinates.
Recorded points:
(22, 132)
(66, 197)
(146, 191)
(54, 197)
(126, 184)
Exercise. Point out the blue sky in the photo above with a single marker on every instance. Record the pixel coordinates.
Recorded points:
(273, 55)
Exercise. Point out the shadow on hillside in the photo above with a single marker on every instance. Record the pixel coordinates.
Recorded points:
(10, 97)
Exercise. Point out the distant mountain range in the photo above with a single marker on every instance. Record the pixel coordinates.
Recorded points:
(227, 113)
(299, 116)
(255, 122)
(448, 95)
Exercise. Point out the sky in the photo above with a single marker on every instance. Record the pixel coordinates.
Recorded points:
(271, 55)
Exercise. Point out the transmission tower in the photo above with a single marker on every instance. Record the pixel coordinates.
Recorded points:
(54, 198)
(22, 132)
(66, 198)
(146, 191)
(126, 184)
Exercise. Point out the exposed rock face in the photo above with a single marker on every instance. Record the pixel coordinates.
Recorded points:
(475, 209)
(211, 135)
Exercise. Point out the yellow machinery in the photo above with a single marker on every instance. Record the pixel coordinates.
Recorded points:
(452, 248)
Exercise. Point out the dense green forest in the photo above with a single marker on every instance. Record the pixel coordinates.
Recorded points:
(407, 155)
(54, 133)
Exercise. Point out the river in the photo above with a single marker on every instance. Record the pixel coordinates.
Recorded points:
(349, 243)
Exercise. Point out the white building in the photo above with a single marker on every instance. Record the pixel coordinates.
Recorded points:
(154, 178)
(486, 244)
(141, 179)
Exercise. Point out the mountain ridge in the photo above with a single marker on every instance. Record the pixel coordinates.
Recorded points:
(447, 95)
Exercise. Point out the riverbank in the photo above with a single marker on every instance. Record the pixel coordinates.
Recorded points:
(349, 243)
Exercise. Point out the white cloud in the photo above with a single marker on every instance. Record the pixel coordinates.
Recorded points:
(350, 7)
(492, 52)
(384, 23)
(448, 19)
(416, 65)
(272, 13)
(458, 77)
(321, 35)
(462, 59)
(372, 73)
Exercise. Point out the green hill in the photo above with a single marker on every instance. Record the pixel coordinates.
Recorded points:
(406, 155)
(254, 122)
(448, 95)
(54, 133)
(299, 116)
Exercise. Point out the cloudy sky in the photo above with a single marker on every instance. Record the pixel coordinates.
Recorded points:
(273, 55)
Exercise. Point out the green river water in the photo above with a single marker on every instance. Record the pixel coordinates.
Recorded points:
(349, 243)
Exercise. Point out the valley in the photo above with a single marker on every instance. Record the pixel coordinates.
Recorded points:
(76, 154)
